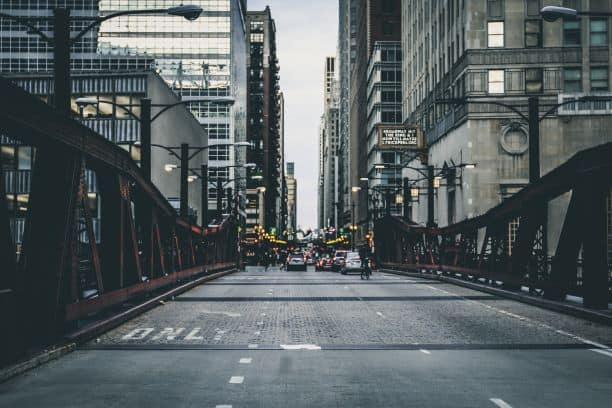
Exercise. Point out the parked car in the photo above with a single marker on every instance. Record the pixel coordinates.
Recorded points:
(352, 263)
(325, 263)
(297, 262)
(339, 258)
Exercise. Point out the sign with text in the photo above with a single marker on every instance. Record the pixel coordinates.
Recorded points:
(400, 137)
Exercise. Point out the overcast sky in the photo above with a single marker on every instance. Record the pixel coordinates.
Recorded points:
(307, 32)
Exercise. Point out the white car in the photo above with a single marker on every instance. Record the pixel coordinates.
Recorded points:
(352, 263)
(296, 262)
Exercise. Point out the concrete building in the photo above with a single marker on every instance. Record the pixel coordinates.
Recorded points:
(347, 40)
(375, 20)
(500, 51)
(328, 148)
(264, 118)
(291, 201)
(197, 59)
(384, 91)
(115, 125)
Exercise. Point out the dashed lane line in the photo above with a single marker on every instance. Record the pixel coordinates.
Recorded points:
(245, 360)
(599, 348)
(425, 351)
(237, 379)
(500, 403)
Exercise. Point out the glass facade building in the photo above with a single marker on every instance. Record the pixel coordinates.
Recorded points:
(197, 59)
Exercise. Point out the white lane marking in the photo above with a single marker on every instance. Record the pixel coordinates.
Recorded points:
(425, 351)
(300, 347)
(138, 334)
(599, 348)
(607, 352)
(500, 403)
(263, 314)
(259, 323)
(169, 332)
(228, 314)
(193, 333)
(223, 406)
(257, 333)
(381, 315)
(245, 360)
(236, 380)
(253, 346)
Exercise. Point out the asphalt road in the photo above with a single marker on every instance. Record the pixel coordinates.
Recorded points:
(320, 339)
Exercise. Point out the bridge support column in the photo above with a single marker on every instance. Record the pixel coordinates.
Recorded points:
(48, 258)
(595, 252)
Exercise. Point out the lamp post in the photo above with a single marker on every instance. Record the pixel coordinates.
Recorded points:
(146, 119)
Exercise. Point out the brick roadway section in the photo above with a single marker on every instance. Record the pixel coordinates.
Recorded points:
(273, 308)
(389, 342)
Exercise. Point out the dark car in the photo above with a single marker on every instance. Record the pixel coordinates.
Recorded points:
(296, 262)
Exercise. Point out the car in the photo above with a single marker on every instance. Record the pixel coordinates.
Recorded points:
(339, 258)
(325, 263)
(352, 263)
(297, 262)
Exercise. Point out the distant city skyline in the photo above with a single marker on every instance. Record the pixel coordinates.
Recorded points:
(302, 48)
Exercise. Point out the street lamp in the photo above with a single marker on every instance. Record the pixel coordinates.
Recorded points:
(553, 13)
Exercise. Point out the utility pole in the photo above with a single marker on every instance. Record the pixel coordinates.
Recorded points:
(534, 139)
(204, 192)
(145, 137)
(406, 196)
(353, 227)
(61, 60)
(430, 196)
(184, 207)
(219, 199)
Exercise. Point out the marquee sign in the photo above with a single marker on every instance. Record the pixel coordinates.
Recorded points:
(400, 137)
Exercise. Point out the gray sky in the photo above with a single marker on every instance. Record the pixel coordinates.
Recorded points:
(307, 32)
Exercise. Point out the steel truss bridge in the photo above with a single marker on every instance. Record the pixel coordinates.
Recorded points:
(480, 247)
(62, 275)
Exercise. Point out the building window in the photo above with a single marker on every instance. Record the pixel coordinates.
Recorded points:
(257, 38)
(533, 7)
(496, 81)
(387, 28)
(220, 152)
(572, 80)
(533, 80)
(599, 79)
(571, 33)
(495, 34)
(533, 33)
(599, 31)
(495, 8)
(387, 157)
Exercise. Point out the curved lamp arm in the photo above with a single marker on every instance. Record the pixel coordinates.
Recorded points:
(189, 12)
(228, 101)
(24, 22)
(465, 101)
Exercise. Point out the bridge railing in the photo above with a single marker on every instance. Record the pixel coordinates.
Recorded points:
(483, 247)
(71, 264)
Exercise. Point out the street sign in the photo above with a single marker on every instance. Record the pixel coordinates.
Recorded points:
(399, 137)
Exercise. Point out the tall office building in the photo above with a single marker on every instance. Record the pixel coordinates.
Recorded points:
(384, 105)
(291, 201)
(197, 59)
(329, 146)
(264, 119)
(500, 51)
(374, 21)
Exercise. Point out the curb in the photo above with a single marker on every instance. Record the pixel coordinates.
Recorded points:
(35, 361)
(91, 331)
(565, 308)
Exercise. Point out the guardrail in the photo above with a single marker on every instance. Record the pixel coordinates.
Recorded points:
(66, 270)
(481, 247)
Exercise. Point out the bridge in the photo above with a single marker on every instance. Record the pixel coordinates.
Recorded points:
(161, 312)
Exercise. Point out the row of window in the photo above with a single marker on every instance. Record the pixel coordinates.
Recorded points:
(598, 33)
(572, 80)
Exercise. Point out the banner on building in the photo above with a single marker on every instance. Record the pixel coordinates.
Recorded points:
(399, 137)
